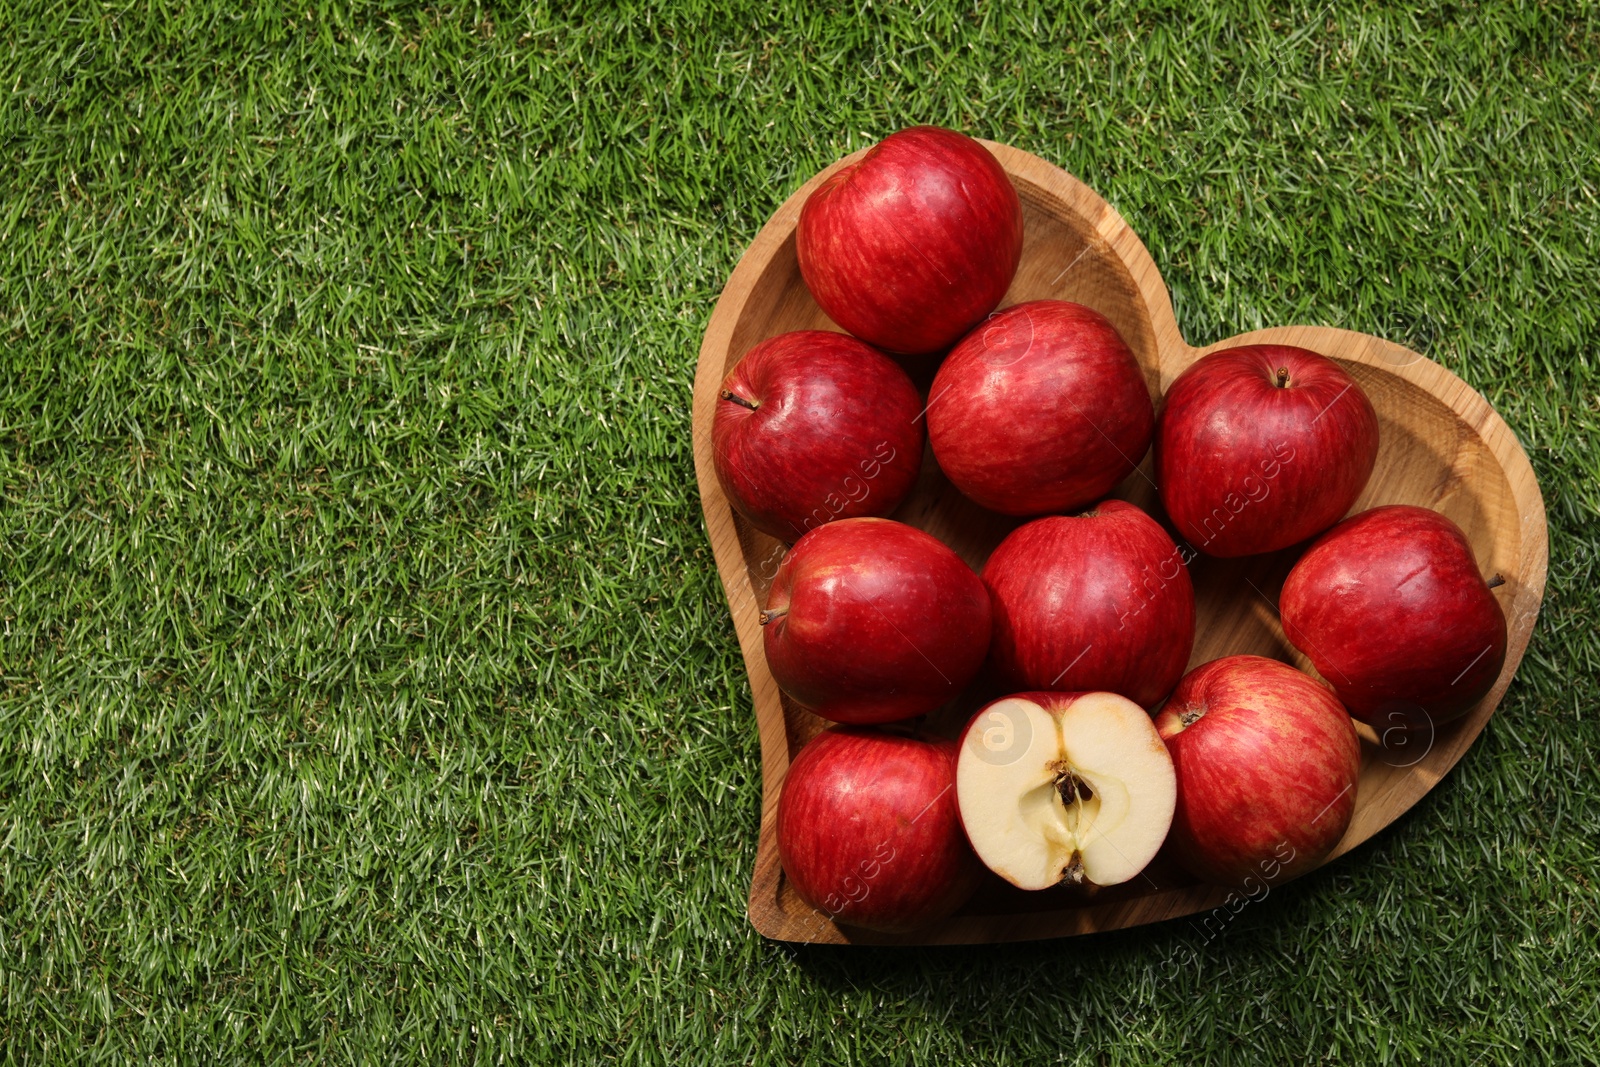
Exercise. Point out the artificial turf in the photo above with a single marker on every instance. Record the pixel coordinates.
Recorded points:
(366, 688)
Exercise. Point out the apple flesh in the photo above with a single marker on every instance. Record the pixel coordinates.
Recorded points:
(1042, 408)
(870, 620)
(911, 245)
(1266, 762)
(868, 832)
(1261, 447)
(1098, 601)
(813, 426)
(1391, 609)
(1064, 788)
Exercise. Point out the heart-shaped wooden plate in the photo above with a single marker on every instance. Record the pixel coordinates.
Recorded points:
(1442, 447)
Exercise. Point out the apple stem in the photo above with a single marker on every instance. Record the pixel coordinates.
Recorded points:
(1283, 377)
(1496, 582)
(768, 616)
(729, 394)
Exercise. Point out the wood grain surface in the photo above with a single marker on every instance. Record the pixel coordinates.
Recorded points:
(1442, 447)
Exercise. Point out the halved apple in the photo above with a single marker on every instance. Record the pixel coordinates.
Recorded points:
(1064, 788)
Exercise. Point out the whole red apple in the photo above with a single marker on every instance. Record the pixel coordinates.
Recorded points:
(868, 831)
(1098, 601)
(870, 620)
(1267, 762)
(1392, 610)
(1042, 408)
(813, 426)
(1262, 446)
(915, 242)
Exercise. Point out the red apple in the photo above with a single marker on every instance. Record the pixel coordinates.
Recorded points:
(1042, 408)
(1262, 446)
(1392, 610)
(1267, 762)
(813, 426)
(1098, 601)
(915, 242)
(869, 621)
(868, 831)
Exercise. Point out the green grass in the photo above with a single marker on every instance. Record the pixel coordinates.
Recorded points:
(366, 690)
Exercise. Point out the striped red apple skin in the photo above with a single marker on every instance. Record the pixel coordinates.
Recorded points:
(1042, 408)
(1267, 763)
(1098, 601)
(813, 426)
(1261, 447)
(911, 245)
(870, 620)
(1391, 608)
(868, 831)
